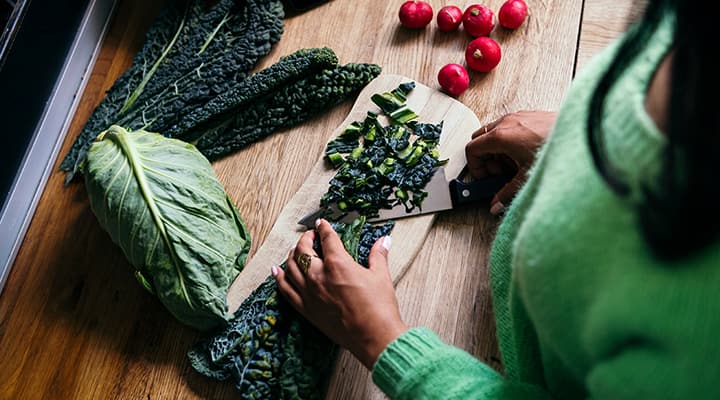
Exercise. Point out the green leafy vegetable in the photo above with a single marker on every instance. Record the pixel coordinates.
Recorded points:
(393, 103)
(160, 201)
(268, 349)
(191, 54)
(383, 166)
(289, 106)
(296, 88)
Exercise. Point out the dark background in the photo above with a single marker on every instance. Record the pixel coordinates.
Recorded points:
(31, 68)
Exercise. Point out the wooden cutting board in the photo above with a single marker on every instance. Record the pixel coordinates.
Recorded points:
(409, 233)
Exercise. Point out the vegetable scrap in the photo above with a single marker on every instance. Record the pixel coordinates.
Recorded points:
(382, 166)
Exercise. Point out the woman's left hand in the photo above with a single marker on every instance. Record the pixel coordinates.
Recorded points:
(356, 307)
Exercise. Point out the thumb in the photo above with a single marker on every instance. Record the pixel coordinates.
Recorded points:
(504, 196)
(378, 257)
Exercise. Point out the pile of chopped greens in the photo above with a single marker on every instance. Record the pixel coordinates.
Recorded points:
(383, 166)
(268, 349)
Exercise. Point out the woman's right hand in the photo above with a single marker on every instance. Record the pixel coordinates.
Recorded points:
(508, 146)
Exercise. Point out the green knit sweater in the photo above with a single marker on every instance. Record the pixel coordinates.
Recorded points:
(583, 309)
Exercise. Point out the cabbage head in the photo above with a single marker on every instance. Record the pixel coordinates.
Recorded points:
(160, 201)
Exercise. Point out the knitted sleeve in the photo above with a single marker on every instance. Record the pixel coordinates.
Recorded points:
(418, 365)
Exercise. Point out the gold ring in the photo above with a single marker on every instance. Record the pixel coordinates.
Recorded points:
(304, 261)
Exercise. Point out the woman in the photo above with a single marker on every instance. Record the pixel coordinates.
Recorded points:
(605, 269)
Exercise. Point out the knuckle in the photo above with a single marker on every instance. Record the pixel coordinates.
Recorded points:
(500, 132)
(496, 135)
(326, 234)
(471, 146)
(313, 278)
(333, 260)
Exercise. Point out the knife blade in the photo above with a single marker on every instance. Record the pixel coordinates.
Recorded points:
(443, 194)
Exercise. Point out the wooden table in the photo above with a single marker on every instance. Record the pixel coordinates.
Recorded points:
(74, 324)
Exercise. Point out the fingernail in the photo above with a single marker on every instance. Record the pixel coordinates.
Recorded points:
(318, 222)
(497, 208)
(274, 270)
(387, 242)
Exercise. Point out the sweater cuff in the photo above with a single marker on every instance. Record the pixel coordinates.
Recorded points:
(401, 355)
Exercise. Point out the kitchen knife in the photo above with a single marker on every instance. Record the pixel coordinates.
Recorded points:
(442, 195)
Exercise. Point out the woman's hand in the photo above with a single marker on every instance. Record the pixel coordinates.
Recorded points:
(508, 146)
(356, 307)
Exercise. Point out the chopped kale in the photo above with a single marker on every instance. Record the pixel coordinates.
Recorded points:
(393, 103)
(383, 166)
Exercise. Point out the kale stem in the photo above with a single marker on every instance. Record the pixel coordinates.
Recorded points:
(128, 148)
(225, 19)
(131, 100)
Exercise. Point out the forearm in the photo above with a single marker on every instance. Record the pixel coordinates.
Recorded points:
(418, 365)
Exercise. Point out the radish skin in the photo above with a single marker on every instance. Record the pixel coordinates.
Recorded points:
(454, 79)
(449, 18)
(512, 14)
(483, 54)
(478, 20)
(415, 14)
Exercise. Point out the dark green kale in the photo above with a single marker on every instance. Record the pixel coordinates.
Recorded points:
(383, 166)
(220, 109)
(268, 349)
(393, 103)
(191, 54)
(281, 108)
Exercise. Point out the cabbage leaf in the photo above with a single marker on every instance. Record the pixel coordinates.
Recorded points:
(160, 201)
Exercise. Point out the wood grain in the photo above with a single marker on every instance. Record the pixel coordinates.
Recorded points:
(74, 324)
(433, 106)
(602, 20)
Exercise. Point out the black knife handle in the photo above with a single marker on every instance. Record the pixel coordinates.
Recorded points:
(476, 191)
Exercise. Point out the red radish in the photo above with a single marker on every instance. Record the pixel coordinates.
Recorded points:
(449, 18)
(512, 13)
(483, 54)
(415, 14)
(478, 20)
(454, 79)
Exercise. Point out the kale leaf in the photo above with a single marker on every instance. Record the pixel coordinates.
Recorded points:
(271, 351)
(191, 54)
(286, 107)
